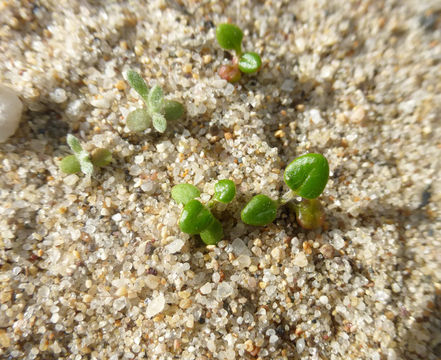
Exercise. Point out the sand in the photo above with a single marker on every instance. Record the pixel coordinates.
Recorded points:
(97, 268)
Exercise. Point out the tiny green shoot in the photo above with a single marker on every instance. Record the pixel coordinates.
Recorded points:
(197, 218)
(307, 177)
(224, 191)
(213, 233)
(230, 37)
(157, 111)
(260, 210)
(183, 193)
(81, 160)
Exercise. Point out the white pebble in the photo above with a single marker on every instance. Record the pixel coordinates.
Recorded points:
(152, 281)
(58, 95)
(240, 248)
(273, 339)
(117, 217)
(316, 117)
(300, 345)
(175, 246)
(155, 306)
(224, 290)
(10, 112)
(323, 299)
(300, 260)
(206, 288)
(71, 179)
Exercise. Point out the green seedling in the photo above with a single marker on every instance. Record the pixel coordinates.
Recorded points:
(230, 37)
(224, 191)
(197, 218)
(81, 160)
(157, 111)
(307, 177)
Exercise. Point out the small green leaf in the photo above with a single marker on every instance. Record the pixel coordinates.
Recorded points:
(224, 191)
(213, 233)
(260, 211)
(70, 165)
(138, 120)
(250, 62)
(101, 157)
(231, 73)
(195, 217)
(183, 193)
(159, 122)
(309, 213)
(74, 144)
(307, 175)
(137, 82)
(155, 99)
(172, 110)
(229, 37)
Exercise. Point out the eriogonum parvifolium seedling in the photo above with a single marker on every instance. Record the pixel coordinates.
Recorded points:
(306, 176)
(81, 160)
(157, 111)
(197, 218)
(230, 37)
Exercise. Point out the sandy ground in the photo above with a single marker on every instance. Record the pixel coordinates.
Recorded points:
(98, 269)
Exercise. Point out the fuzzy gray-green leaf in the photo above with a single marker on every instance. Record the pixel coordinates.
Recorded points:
(137, 82)
(138, 120)
(155, 99)
(159, 122)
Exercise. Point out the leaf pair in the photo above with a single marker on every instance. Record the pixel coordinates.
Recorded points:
(307, 177)
(157, 111)
(81, 160)
(230, 37)
(197, 218)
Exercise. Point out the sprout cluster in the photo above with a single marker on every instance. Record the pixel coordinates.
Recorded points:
(81, 160)
(230, 37)
(307, 177)
(197, 218)
(157, 110)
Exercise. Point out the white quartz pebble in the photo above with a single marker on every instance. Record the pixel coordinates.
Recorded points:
(10, 112)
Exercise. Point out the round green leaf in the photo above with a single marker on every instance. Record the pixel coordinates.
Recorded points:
(250, 62)
(138, 120)
(172, 110)
(307, 175)
(101, 157)
(70, 165)
(309, 214)
(260, 211)
(224, 191)
(213, 233)
(195, 217)
(183, 193)
(229, 37)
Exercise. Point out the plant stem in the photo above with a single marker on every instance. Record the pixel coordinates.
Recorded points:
(211, 203)
(287, 197)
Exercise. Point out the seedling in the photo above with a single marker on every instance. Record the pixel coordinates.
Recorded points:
(81, 160)
(197, 218)
(230, 37)
(306, 176)
(157, 111)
